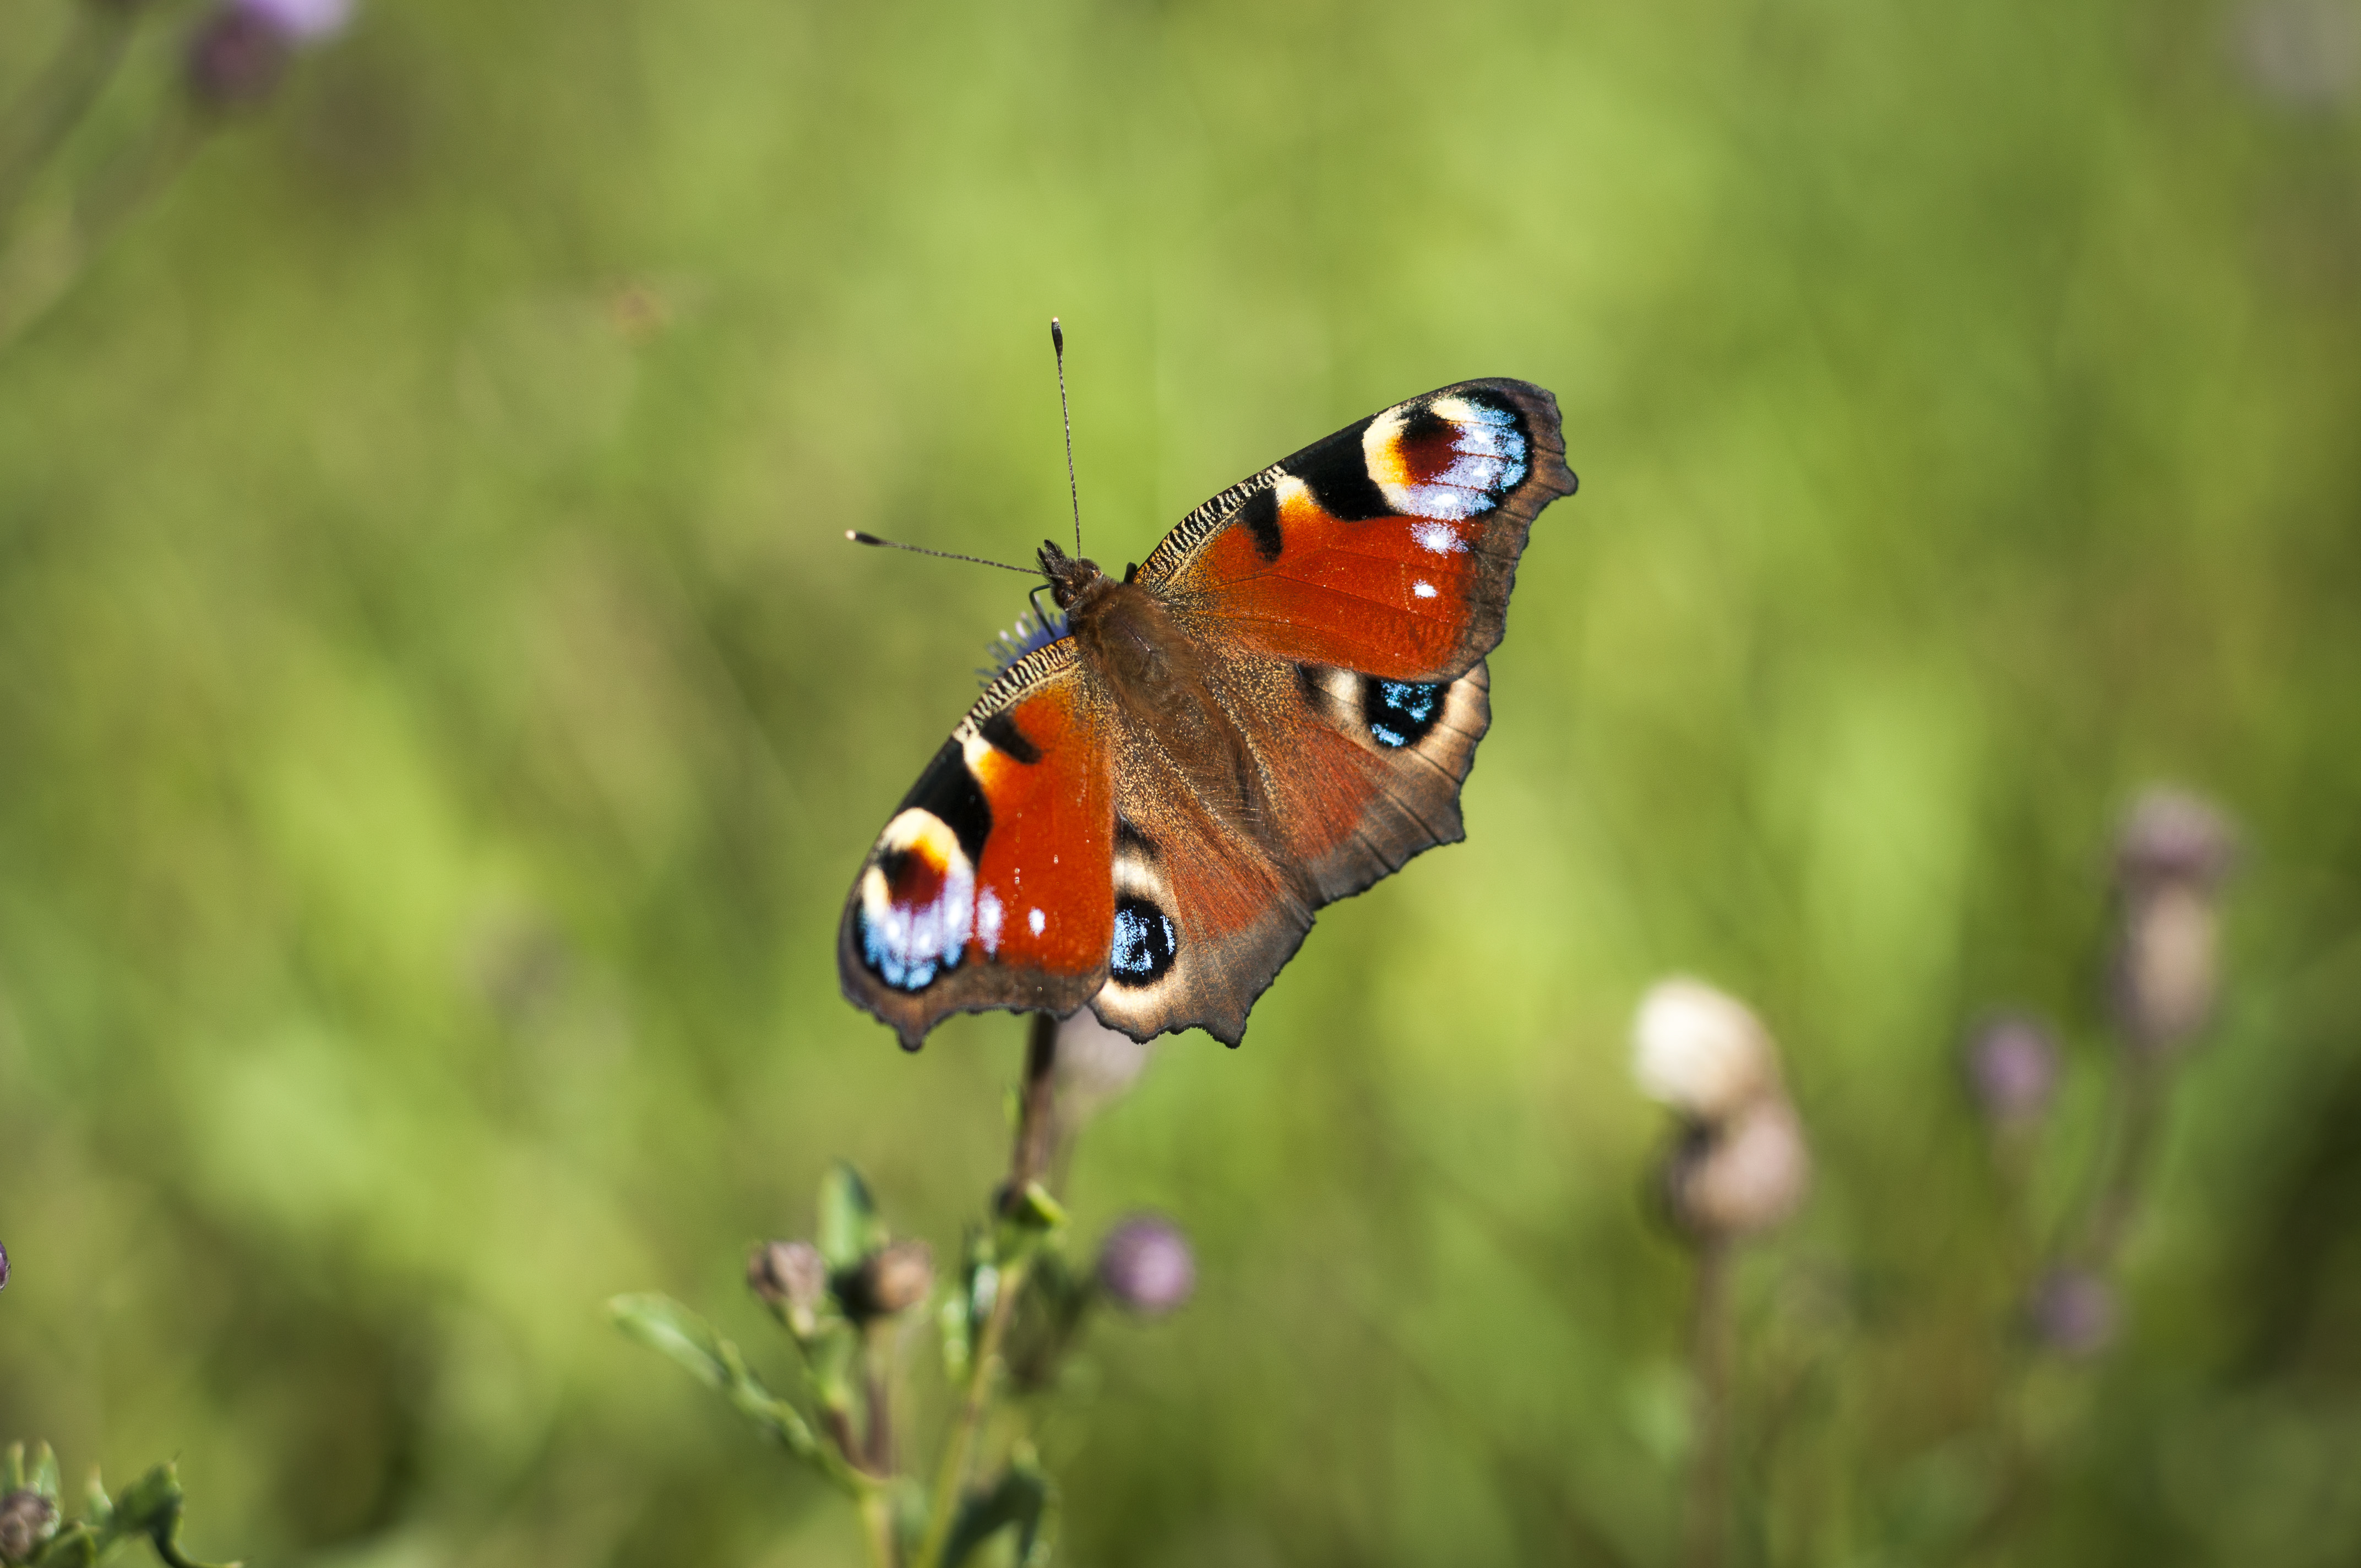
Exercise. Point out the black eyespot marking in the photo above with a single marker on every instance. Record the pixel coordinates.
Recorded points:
(1421, 424)
(1338, 473)
(1002, 731)
(1127, 837)
(1145, 943)
(1311, 687)
(1260, 516)
(950, 791)
(1400, 713)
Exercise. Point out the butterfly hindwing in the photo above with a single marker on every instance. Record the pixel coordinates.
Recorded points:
(1352, 777)
(992, 886)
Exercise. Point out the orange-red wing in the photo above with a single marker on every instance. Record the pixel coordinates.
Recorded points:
(994, 885)
(1387, 549)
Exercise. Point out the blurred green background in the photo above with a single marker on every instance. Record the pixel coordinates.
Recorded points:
(439, 717)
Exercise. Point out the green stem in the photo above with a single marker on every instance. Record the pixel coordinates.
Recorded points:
(1025, 1163)
(1708, 1500)
(877, 1527)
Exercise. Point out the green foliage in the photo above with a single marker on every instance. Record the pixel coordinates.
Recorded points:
(439, 717)
(148, 1511)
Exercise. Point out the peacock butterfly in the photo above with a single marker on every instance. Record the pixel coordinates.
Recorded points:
(1275, 710)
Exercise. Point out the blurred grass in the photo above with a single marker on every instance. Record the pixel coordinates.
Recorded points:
(438, 718)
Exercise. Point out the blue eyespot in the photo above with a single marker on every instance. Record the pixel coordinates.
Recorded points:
(1400, 713)
(1145, 943)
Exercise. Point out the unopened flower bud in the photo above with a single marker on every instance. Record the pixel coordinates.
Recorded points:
(1741, 1176)
(2171, 860)
(1700, 1051)
(893, 1279)
(1096, 1066)
(1145, 1265)
(2012, 1070)
(2172, 836)
(792, 1279)
(3, 1268)
(242, 48)
(2073, 1312)
(27, 1519)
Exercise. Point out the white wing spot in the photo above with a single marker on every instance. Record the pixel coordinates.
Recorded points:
(1036, 920)
(1439, 537)
(1424, 590)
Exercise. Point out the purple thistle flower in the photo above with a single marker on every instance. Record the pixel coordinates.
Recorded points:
(242, 48)
(2012, 1070)
(1147, 1266)
(2073, 1312)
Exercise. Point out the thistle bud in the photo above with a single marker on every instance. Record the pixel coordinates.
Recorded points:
(1742, 1176)
(27, 1519)
(2073, 1312)
(2012, 1066)
(1700, 1051)
(1096, 1066)
(2169, 863)
(242, 48)
(1145, 1265)
(892, 1279)
(2172, 836)
(792, 1279)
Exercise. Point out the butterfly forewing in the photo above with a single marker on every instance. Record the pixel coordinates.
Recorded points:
(991, 886)
(1387, 549)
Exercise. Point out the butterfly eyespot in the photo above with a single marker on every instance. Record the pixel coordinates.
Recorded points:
(1400, 713)
(1448, 458)
(917, 904)
(1145, 944)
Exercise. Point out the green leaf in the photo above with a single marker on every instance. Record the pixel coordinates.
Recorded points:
(97, 1508)
(1020, 1501)
(664, 1324)
(1036, 1210)
(850, 1229)
(44, 1475)
(72, 1547)
(12, 1469)
(959, 1339)
(152, 1506)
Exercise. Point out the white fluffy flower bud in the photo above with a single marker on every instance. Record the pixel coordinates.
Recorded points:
(1700, 1051)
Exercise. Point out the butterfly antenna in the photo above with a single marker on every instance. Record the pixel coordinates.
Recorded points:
(1073, 493)
(860, 538)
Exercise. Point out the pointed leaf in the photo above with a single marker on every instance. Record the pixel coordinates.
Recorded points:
(97, 1508)
(152, 1506)
(850, 1229)
(1020, 1500)
(43, 1478)
(664, 1324)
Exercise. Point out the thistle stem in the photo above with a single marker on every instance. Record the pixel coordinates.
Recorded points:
(877, 1527)
(1028, 1158)
(1708, 1502)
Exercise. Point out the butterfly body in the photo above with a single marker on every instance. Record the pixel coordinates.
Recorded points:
(1274, 711)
